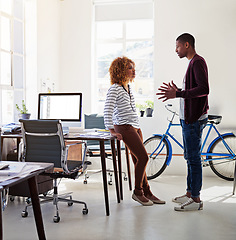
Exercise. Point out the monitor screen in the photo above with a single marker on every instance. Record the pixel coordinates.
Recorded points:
(64, 106)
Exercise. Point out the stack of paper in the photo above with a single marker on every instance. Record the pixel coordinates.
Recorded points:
(12, 169)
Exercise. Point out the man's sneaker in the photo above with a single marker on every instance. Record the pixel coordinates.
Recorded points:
(190, 205)
(181, 199)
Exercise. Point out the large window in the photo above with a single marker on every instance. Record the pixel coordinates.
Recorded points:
(11, 57)
(132, 38)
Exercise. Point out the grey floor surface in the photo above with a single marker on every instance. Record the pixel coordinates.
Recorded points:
(128, 219)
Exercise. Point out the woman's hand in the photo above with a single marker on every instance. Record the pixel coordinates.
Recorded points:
(115, 134)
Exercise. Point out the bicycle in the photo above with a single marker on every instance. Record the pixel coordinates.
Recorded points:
(220, 154)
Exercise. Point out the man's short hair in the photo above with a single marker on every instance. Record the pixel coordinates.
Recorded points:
(186, 37)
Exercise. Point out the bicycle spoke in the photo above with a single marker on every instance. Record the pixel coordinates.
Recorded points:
(158, 153)
(223, 167)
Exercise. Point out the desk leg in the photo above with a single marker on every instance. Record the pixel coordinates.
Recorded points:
(234, 179)
(115, 169)
(104, 175)
(1, 224)
(36, 207)
(1, 148)
(18, 145)
(120, 169)
(128, 167)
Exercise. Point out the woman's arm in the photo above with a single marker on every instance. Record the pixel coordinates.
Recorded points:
(108, 111)
(109, 107)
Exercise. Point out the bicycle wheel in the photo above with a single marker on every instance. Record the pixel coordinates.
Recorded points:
(224, 168)
(157, 160)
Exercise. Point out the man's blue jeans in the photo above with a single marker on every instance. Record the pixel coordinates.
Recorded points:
(192, 138)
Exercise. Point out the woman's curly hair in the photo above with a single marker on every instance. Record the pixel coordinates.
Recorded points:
(118, 70)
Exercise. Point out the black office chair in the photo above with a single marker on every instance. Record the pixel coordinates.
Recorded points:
(43, 141)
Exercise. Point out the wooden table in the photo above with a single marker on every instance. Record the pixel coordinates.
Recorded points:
(37, 168)
(101, 138)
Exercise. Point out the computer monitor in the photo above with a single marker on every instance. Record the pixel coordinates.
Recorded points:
(64, 106)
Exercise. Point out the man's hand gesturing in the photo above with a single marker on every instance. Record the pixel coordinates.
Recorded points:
(168, 91)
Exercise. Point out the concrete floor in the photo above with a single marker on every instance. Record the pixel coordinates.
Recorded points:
(130, 220)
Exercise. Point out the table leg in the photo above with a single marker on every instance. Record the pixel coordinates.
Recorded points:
(120, 169)
(18, 145)
(128, 167)
(115, 169)
(36, 207)
(234, 179)
(104, 175)
(1, 227)
(1, 148)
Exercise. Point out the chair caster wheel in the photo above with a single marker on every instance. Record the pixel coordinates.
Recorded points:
(28, 200)
(85, 181)
(85, 211)
(125, 178)
(12, 199)
(70, 204)
(24, 214)
(56, 219)
(110, 182)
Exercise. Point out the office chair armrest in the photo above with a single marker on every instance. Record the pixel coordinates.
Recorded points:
(73, 144)
(61, 174)
(65, 161)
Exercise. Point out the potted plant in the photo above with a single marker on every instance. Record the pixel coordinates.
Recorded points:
(23, 111)
(141, 108)
(149, 108)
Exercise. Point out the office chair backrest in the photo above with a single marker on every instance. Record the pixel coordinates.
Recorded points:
(94, 121)
(43, 141)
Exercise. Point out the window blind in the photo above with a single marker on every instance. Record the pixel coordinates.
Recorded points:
(123, 10)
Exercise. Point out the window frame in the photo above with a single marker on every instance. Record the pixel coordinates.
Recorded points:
(124, 41)
(18, 93)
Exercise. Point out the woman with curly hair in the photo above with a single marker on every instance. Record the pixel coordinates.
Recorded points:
(121, 119)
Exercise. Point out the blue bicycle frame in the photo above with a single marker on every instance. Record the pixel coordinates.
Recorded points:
(208, 154)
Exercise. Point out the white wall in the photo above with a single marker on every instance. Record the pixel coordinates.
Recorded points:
(43, 49)
(75, 49)
(48, 43)
(31, 56)
(212, 23)
(42, 37)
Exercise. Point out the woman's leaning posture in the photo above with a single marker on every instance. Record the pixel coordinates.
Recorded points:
(121, 119)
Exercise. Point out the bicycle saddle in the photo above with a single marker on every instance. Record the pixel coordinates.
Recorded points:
(216, 119)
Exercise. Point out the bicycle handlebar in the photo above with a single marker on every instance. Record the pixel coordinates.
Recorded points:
(167, 106)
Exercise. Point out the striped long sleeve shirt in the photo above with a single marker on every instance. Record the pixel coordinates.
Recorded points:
(120, 107)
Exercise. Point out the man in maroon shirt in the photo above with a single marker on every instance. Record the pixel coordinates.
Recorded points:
(193, 117)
